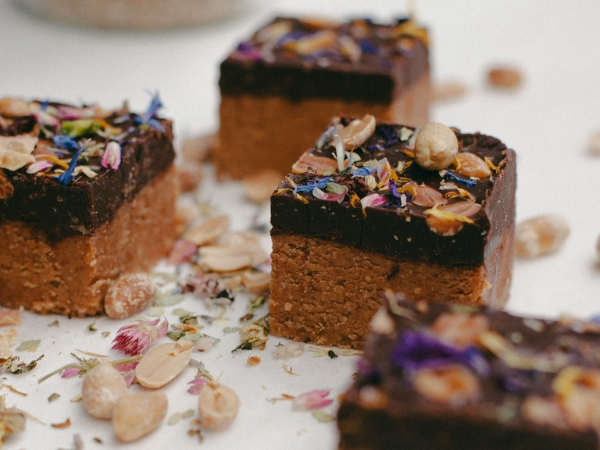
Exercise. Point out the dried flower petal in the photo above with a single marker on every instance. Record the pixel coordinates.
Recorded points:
(311, 400)
(112, 156)
(15, 151)
(137, 338)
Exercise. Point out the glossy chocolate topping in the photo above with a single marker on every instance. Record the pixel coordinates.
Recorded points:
(358, 60)
(84, 203)
(396, 223)
(519, 359)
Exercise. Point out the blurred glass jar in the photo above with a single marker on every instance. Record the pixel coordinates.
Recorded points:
(136, 14)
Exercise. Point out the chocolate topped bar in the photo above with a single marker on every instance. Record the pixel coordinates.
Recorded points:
(305, 58)
(366, 215)
(280, 87)
(384, 209)
(92, 197)
(455, 377)
(85, 195)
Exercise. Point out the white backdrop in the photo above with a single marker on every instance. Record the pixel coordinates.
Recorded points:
(547, 121)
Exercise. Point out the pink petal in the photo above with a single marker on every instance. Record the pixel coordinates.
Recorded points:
(112, 156)
(318, 193)
(182, 251)
(372, 200)
(38, 166)
(70, 372)
(197, 385)
(71, 112)
(311, 400)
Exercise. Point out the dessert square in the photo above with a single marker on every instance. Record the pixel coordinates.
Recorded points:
(281, 87)
(85, 195)
(355, 218)
(450, 377)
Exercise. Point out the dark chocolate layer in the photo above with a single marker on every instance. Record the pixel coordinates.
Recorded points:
(397, 230)
(522, 358)
(84, 204)
(390, 59)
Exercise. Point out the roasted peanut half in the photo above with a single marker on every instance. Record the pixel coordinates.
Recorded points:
(218, 405)
(130, 294)
(103, 387)
(541, 235)
(136, 415)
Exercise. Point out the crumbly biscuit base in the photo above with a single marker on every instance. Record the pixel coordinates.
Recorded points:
(272, 132)
(71, 277)
(327, 293)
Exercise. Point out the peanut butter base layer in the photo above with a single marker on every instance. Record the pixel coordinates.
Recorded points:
(327, 293)
(272, 132)
(71, 277)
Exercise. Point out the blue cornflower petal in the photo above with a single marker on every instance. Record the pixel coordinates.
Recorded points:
(155, 105)
(65, 177)
(450, 175)
(363, 171)
(416, 351)
(65, 141)
(321, 184)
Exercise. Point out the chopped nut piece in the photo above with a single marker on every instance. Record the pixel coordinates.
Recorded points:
(504, 77)
(310, 43)
(15, 151)
(449, 90)
(103, 387)
(319, 164)
(13, 107)
(130, 294)
(259, 186)
(209, 230)
(540, 235)
(358, 131)
(447, 220)
(253, 360)
(435, 147)
(218, 405)
(426, 195)
(460, 329)
(472, 165)
(449, 384)
(255, 281)
(163, 363)
(136, 415)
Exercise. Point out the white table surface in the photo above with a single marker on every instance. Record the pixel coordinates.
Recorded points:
(547, 121)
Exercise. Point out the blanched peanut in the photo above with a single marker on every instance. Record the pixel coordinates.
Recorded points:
(218, 405)
(163, 363)
(103, 387)
(540, 235)
(435, 147)
(358, 131)
(209, 230)
(136, 415)
(130, 294)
